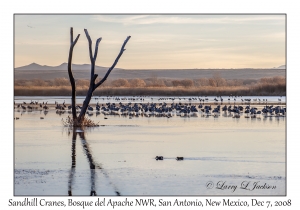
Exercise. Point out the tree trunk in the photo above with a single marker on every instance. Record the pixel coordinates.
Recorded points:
(85, 104)
(72, 80)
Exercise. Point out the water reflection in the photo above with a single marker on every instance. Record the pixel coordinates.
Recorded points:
(72, 171)
(93, 165)
(250, 146)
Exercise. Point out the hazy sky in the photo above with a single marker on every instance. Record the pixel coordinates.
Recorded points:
(157, 42)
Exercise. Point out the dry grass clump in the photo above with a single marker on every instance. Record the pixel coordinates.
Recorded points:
(70, 122)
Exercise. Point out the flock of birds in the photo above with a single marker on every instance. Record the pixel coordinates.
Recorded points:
(161, 109)
(217, 99)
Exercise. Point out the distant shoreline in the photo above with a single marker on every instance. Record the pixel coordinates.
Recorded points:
(152, 91)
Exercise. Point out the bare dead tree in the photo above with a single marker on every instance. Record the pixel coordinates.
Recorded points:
(93, 86)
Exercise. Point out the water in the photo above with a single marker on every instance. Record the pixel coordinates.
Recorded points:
(221, 155)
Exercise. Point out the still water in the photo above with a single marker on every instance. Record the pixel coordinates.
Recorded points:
(222, 155)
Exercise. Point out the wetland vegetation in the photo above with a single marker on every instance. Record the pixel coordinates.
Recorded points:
(216, 85)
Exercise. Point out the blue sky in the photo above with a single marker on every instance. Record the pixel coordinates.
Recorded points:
(158, 41)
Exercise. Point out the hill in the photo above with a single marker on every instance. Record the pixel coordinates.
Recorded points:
(61, 67)
(281, 67)
(36, 71)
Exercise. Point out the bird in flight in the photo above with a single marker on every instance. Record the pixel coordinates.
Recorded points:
(30, 26)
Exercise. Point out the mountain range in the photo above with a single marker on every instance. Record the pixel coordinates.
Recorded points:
(75, 67)
(63, 66)
(281, 67)
(36, 71)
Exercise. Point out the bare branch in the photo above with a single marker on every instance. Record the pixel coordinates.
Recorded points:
(114, 64)
(96, 48)
(71, 55)
(71, 35)
(93, 59)
(95, 77)
(71, 77)
(90, 45)
(76, 40)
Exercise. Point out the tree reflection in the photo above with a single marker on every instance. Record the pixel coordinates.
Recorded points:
(92, 163)
(72, 171)
(89, 156)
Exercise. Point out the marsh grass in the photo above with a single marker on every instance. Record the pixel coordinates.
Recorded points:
(70, 122)
(158, 87)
